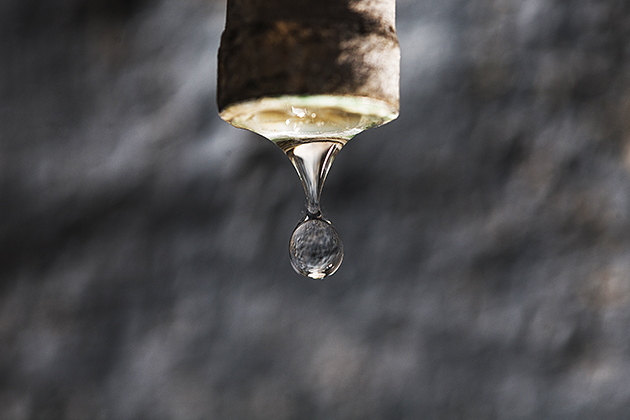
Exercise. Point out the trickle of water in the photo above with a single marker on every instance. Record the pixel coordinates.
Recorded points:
(311, 130)
(315, 248)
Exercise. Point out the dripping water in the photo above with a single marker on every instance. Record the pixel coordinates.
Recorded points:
(311, 130)
(315, 248)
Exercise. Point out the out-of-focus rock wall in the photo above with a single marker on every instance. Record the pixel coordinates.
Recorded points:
(143, 242)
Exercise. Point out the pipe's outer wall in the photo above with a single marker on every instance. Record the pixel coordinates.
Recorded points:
(314, 47)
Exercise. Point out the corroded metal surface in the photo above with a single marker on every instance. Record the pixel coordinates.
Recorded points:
(284, 47)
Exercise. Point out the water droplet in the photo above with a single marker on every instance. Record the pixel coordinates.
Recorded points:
(315, 249)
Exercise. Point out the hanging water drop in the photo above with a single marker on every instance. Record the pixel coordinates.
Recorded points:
(315, 249)
(311, 131)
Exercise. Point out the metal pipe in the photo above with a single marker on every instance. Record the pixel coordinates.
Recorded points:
(273, 48)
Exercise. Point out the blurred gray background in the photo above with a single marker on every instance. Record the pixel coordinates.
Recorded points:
(143, 242)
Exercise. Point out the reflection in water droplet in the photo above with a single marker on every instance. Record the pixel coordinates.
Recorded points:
(315, 249)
